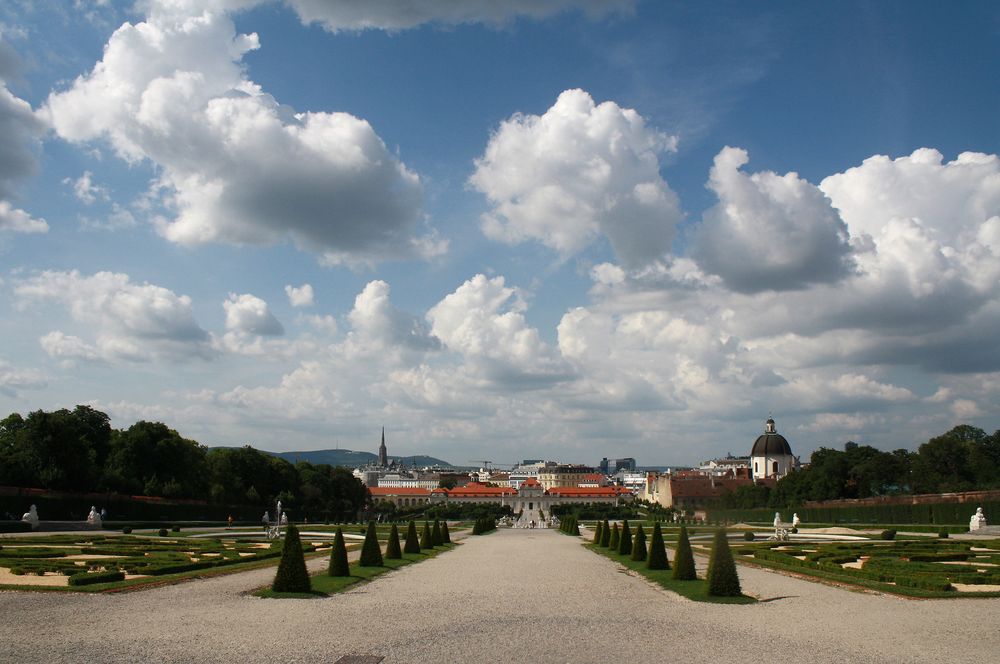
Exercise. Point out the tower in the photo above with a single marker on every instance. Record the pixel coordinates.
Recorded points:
(383, 456)
(771, 456)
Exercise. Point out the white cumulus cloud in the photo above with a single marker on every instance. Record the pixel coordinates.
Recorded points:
(578, 171)
(249, 314)
(18, 221)
(301, 296)
(237, 166)
(769, 231)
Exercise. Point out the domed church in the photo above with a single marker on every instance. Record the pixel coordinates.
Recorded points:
(771, 456)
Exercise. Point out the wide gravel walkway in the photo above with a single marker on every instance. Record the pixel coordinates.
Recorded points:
(512, 596)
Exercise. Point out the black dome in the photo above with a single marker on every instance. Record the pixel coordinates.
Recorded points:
(770, 444)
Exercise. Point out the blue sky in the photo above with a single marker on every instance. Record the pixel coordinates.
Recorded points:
(557, 228)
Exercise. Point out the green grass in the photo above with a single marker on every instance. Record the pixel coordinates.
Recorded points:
(324, 585)
(693, 590)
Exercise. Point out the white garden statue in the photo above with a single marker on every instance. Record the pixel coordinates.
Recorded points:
(94, 518)
(978, 520)
(795, 520)
(31, 516)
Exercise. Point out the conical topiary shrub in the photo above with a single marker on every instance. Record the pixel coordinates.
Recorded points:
(684, 558)
(338, 556)
(436, 538)
(412, 543)
(371, 552)
(597, 533)
(657, 558)
(625, 540)
(639, 544)
(425, 537)
(292, 576)
(392, 550)
(605, 534)
(445, 535)
(614, 539)
(723, 581)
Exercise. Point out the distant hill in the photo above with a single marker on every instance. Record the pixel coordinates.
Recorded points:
(352, 459)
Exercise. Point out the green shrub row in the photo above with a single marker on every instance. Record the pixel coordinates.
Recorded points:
(88, 578)
(570, 525)
(483, 526)
(956, 514)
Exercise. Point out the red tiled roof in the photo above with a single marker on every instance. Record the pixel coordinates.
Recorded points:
(398, 491)
(477, 489)
(584, 491)
(531, 481)
(593, 477)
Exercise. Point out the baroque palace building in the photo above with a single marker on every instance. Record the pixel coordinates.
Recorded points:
(528, 496)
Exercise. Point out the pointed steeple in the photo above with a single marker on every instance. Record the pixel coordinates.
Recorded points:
(383, 456)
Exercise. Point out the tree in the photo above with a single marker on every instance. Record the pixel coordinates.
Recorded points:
(392, 550)
(436, 538)
(412, 544)
(292, 576)
(426, 539)
(657, 551)
(447, 483)
(371, 552)
(723, 581)
(597, 533)
(684, 558)
(614, 539)
(639, 544)
(338, 556)
(625, 541)
(445, 535)
(605, 534)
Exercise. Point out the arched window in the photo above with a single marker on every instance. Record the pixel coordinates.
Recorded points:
(775, 471)
(755, 469)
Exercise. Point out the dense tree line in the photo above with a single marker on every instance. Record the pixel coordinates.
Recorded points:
(963, 459)
(78, 450)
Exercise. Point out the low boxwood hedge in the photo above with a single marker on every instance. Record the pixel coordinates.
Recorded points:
(90, 578)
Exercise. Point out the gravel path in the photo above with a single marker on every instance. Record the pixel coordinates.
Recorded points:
(512, 596)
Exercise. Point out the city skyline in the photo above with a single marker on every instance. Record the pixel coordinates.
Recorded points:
(574, 228)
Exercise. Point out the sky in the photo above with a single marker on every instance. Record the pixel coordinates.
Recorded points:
(562, 229)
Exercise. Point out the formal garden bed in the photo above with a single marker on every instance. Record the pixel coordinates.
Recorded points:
(112, 562)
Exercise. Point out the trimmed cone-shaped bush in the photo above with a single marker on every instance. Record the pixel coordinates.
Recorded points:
(436, 538)
(597, 533)
(605, 534)
(615, 538)
(657, 558)
(639, 544)
(425, 537)
(338, 556)
(723, 581)
(371, 552)
(412, 543)
(292, 576)
(684, 559)
(445, 535)
(625, 541)
(392, 550)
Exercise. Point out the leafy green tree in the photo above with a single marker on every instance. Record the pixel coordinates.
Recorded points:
(292, 576)
(723, 581)
(615, 537)
(684, 558)
(412, 543)
(436, 538)
(639, 544)
(426, 539)
(338, 556)
(445, 535)
(392, 550)
(371, 552)
(657, 551)
(625, 541)
(605, 534)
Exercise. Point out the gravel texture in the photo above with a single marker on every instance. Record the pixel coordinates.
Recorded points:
(511, 596)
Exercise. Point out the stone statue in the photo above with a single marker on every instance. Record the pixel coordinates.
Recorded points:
(284, 519)
(777, 519)
(795, 520)
(978, 520)
(94, 518)
(31, 516)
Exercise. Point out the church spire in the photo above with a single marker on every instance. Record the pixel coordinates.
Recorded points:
(383, 456)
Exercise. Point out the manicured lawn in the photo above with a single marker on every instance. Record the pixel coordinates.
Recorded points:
(324, 585)
(693, 590)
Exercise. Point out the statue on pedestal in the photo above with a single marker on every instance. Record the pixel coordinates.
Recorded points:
(31, 516)
(94, 518)
(978, 520)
